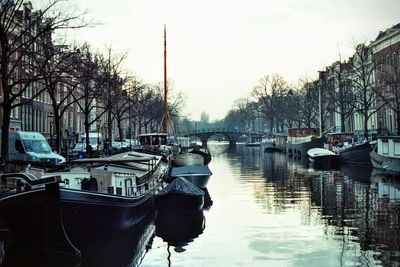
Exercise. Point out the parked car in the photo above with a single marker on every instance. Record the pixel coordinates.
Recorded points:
(79, 147)
(31, 146)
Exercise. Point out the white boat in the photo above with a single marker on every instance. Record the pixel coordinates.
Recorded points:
(321, 157)
(268, 144)
(253, 141)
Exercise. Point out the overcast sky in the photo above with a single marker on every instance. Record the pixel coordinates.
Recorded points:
(219, 49)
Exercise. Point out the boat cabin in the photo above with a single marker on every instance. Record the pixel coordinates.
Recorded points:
(335, 139)
(302, 132)
(153, 139)
(300, 135)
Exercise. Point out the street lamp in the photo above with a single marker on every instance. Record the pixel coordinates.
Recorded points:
(50, 115)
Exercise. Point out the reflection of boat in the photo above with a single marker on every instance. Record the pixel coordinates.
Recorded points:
(386, 155)
(356, 173)
(198, 175)
(179, 197)
(72, 209)
(324, 158)
(207, 199)
(300, 140)
(179, 230)
(125, 249)
(386, 187)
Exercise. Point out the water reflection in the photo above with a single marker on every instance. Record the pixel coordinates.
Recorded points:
(355, 206)
(179, 230)
(126, 249)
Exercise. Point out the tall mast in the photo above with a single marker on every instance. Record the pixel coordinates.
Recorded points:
(165, 115)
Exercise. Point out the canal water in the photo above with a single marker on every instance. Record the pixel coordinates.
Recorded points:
(263, 209)
(268, 210)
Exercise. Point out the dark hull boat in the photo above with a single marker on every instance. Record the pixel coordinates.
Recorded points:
(62, 217)
(179, 197)
(323, 158)
(357, 153)
(202, 152)
(300, 149)
(197, 175)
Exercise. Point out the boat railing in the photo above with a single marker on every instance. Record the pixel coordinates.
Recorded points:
(140, 189)
(25, 181)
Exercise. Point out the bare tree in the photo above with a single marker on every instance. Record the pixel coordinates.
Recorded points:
(56, 66)
(340, 94)
(362, 80)
(87, 73)
(309, 100)
(268, 92)
(20, 30)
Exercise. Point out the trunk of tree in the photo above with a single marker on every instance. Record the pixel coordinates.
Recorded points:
(57, 127)
(109, 119)
(365, 111)
(5, 130)
(271, 125)
(87, 130)
(342, 121)
(139, 116)
(120, 130)
(398, 121)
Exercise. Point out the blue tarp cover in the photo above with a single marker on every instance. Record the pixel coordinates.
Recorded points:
(182, 186)
(194, 170)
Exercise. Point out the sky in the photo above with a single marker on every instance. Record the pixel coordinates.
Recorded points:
(218, 50)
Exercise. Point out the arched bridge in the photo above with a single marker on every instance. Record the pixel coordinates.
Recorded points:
(231, 135)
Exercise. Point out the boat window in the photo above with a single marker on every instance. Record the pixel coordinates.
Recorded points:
(154, 140)
(385, 147)
(397, 148)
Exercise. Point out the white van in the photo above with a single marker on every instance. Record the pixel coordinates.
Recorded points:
(95, 141)
(31, 146)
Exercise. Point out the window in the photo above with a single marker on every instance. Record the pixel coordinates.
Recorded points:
(385, 147)
(397, 148)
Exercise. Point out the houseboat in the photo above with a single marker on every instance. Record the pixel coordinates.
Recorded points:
(67, 208)
(300, 140)
(386, 155)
